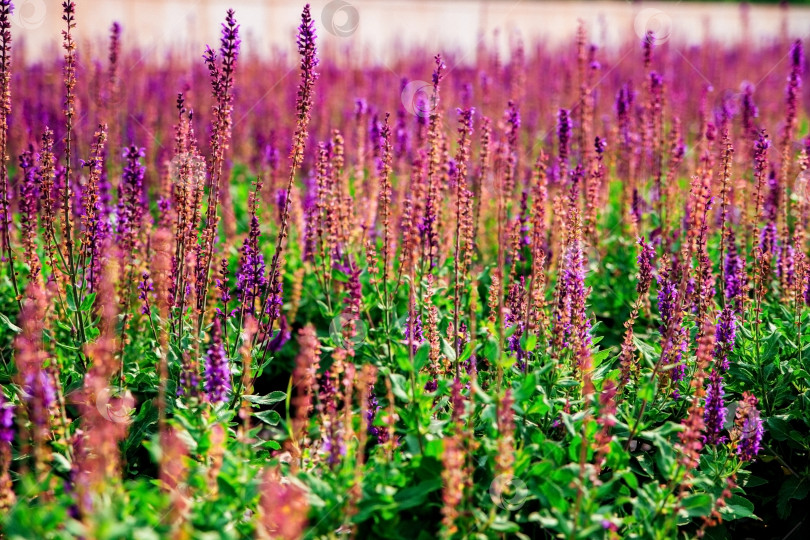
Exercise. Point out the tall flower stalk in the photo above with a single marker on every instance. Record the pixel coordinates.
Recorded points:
(463, 223)
(222, 81)
(309, 61)
(6, 9)
(69, 70)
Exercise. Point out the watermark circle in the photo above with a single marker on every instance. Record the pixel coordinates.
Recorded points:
(29, 14)
(115, 408)
(800, 187)
(187, 168)
(340, 18)
(115, 93)
(419, 98)
(508, 492)
(727, 103)
(653, 20)
(338, 330)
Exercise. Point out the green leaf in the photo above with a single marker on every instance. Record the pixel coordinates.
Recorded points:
(87, 303)
(754, 481)
(61, 463)
(699, 504)
(269, 399)
(404, 363)
(421, 358)
(630, 479)
(448, 351)
(793, 488)
(599, 357)
(147, 417)
(13, 327)
(398, 387)
(269, 417)
(646, 350)
(778, 428)
(71, 303)
(418, 494)
(737, 507)
(466, 353)
(503, 525)
(491, 350)
(646, 391)
(528, 342)
(272, 445)
(67, 347)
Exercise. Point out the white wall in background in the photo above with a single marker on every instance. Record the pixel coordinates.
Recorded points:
(439, 25)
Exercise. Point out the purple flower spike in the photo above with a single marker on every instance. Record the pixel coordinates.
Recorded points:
(714, 415)
(725, 335)
(130, 195)
(217, 369)
(414, 333)
(646, 266)
(6, 419)
(748, 428)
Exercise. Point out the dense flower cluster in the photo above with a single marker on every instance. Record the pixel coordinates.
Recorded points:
(6, 420)
(217, 368)
(490, 304)
(748, 429)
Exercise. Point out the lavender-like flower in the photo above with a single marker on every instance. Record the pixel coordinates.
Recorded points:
(807, 291)
(524, 219)
(769, 235)
(573, 275)
(564, 129)
(281, 201)
(217, 369)
(714, 414)
(144, 288)
(189, 378)
(725, 335)
(414, 333)
(516, 317)
(381, 435)
(624, 110)
(130, 193)
(513, 125)
(667, 300)
(6, 9)
(39, 385)
(733, 274)
(29, 207)
(675, 347)
(646, 266)
(275, 301)
(6, 419)
(229, 47)
(250, 280)
(309, 61)
(352, 305)
(333, 443)
(761, 146)
(282, 337)
(787, 269)
(748, 428)
(647, 43)
(636, 207)
(749, 109)
(222, 287)
(794, 82)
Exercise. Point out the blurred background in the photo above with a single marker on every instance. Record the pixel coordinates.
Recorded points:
(383, 28)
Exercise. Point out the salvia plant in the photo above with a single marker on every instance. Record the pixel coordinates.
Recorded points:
(557, 294)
